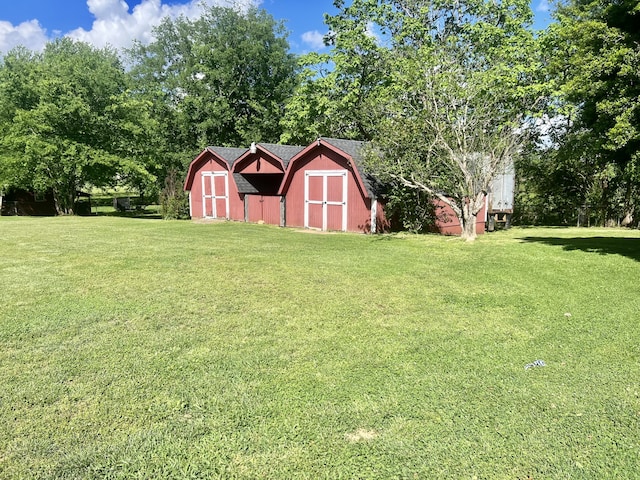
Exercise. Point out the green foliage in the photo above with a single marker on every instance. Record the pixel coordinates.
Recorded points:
(410, 209)
(69, 122)
(337, 92)
(591, 78)
(162, 349)
(174, 201)
(441, 88)
(219, 79)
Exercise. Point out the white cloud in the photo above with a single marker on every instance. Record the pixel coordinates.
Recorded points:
(29, 34)
(314, 39)
(543, 6)
(113, 24)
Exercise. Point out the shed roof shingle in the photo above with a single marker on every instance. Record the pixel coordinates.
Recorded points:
(283, 152)
(230, 154)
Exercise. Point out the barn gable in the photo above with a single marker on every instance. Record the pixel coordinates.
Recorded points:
(260, 170)
(258, 174)
(212, 191)
(325, 188)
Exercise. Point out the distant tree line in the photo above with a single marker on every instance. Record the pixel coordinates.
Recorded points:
(444, 92)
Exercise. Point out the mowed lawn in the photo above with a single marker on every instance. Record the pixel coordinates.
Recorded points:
(134, 348)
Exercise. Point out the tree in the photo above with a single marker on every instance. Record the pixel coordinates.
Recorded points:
(448, 109)
(68, 122)
(220, 79)
(336, 92)
(447, 140)
(592, 68)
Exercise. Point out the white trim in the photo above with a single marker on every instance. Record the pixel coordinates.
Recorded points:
(226, 195)
(325, 174)
(374, 215)
(486, 207)
(213, 197)
(190, 205)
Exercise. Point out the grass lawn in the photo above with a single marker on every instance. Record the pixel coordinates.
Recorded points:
(135, 348)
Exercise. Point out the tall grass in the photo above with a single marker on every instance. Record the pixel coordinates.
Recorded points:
(162, 349)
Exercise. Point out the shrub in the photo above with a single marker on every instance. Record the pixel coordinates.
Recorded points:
(174, 201)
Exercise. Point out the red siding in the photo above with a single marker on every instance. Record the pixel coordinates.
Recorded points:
(358, 206)
(258, 163)
(447, 222)
(264, 208)
(208, 163)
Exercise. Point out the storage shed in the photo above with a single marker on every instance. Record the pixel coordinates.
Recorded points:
(325, 189)
(17, 201)
(212, 190)
(321, 186)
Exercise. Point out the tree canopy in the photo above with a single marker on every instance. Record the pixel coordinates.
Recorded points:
(69, 121)
(439, 88)
(221, 79)
(73, 116)
(446, 93)
(591, 82)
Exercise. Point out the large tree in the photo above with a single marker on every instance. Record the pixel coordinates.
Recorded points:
(441, 89)
(219, 79)
(69, 122)
(592, 68)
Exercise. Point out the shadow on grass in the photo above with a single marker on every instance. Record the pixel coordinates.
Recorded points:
(132, 214)
(625, 246)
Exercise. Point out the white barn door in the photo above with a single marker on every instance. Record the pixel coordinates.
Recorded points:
(325, 199)
(215, 195)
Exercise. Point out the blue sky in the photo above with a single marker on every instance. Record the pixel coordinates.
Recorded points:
(116, 22)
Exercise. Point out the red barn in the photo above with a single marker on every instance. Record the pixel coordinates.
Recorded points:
(321, 186)
(212, 190)
(325, 189)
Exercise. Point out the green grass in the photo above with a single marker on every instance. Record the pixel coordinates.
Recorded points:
(135, 348)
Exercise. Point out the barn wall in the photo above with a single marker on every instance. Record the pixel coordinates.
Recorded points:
(259, 163)
(447, 222)
(264, 208)
(382, 223)
(236, 202)
(323, 158)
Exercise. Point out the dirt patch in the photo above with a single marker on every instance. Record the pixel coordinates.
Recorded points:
(361, 435)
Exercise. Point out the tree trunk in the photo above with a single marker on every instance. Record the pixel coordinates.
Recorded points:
(468, 222)
(469, 218)
(56, 202)
(63, 202)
